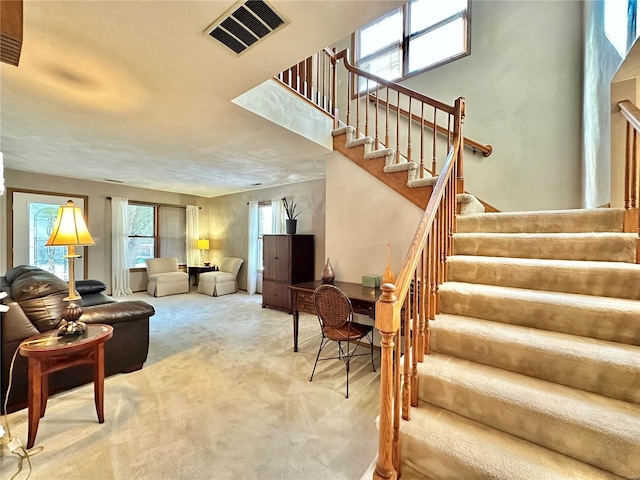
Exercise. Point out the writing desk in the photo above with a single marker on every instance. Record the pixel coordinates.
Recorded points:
(363, 300)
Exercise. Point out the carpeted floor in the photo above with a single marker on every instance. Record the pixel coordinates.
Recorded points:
(222, 396)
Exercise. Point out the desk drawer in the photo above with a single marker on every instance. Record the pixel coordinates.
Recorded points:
(364, 308)
(306, 307)
(306, 297)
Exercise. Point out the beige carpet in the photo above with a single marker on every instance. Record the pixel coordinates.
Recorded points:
(222, 396)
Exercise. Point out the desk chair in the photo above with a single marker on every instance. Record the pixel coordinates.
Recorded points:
(335, 315)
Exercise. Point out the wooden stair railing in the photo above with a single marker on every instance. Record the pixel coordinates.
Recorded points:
(314, 80)
(413, 299)
(486, 150)
(412, 302)
(396, 131)
(407, 305)
(631, 172)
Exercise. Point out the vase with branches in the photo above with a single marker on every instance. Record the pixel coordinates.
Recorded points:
(290, 210)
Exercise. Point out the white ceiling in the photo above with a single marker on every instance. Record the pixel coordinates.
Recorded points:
(134, 91)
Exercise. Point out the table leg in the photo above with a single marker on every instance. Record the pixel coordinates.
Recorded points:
(35, 399)
(45, 394)
(296, 317)
(98, 381)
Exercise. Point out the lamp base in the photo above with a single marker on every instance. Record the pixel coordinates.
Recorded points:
(70, 325)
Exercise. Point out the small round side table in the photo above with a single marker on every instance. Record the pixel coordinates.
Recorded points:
(47, 353)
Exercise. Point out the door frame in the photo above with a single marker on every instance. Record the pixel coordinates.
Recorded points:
(11, 191)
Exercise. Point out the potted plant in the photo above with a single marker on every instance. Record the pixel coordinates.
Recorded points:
(290, 222)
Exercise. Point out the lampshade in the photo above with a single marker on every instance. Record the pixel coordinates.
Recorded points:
(203, 244)
(70, 228)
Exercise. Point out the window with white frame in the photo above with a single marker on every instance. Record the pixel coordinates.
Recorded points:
(420, 35)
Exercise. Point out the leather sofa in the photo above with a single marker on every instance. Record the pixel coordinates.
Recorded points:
(35, 300)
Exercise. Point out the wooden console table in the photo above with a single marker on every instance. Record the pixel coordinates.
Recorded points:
(363, 300)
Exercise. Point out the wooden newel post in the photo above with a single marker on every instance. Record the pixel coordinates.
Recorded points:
(387, 323)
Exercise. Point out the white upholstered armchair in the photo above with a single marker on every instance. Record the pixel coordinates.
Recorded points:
(165, 278)
(222, 282)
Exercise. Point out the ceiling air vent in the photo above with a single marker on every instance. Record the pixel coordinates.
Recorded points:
(246, 24)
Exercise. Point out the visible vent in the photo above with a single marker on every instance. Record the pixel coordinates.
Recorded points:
(246, 24)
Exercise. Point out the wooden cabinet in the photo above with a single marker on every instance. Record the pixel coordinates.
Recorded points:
(288, 259)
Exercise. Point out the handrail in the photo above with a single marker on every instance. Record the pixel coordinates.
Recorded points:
(631, 222)
(631, 113)
(396, 86)
(410, 263)
(476, 146)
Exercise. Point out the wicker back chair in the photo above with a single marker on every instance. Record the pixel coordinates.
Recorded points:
(335, 315)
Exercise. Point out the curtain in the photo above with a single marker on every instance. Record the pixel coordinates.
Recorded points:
(277, 212)
(193, 220)
(252, 257)
(120, 284)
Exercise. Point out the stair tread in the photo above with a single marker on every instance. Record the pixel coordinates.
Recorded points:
(544, 340)
(456, 447)
(546, 263)
(599, 366)
(384, 152)
(598, 246)
(576, 220)
(545, 235)
(607, 318)
(603, 431)
(590, 277)
(578, 300)
(593, 411)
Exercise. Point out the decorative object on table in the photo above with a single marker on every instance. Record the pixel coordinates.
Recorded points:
(388, 276)
(291, 222)
(371, 280)
(203, 244)
(70, 230)
(328, 275)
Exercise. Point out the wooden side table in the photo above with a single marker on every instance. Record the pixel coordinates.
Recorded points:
(47, 353)
(195, 271)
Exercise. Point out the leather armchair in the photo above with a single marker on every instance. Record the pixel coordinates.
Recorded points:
(35, 306)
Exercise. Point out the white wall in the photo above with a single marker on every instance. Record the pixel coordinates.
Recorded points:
(522, 84)
(229, 221)
(98, 214)
(363, 216)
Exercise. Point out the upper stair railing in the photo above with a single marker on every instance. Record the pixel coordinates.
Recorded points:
(406, 305)
(631, 172)
(314, 80)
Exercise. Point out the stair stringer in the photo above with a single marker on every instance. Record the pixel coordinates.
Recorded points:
(401, 177)
(359, 153)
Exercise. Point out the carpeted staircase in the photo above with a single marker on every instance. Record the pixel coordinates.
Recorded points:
(534, 370)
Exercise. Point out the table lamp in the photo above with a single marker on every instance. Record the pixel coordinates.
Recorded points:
(70, 230)
(203, 245)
